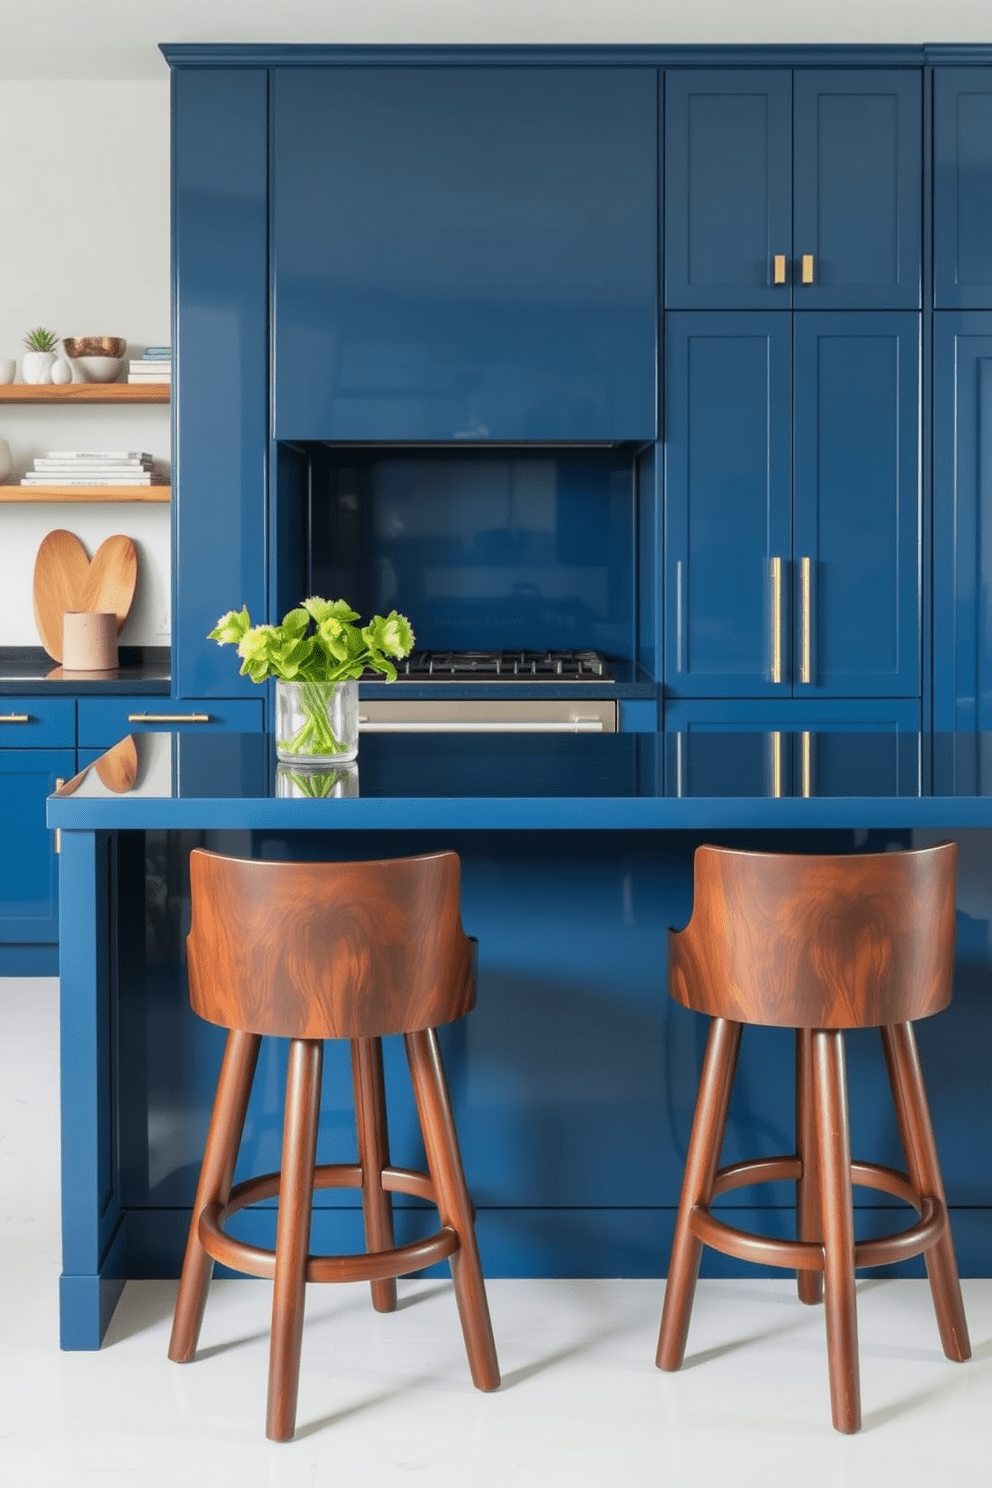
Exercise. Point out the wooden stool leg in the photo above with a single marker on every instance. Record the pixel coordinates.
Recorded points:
(373, 1154)
(299, 1149)
(430, 1089)
(708, 1123)
(840, 1302)
(216, 1176)
(808, 1227)
(916, 1128)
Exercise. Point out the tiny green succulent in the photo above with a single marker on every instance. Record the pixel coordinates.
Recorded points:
(41, 340)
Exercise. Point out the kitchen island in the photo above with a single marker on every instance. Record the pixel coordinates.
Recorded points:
(574, 1079)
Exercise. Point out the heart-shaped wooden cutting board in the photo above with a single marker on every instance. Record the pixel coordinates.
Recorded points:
(66, 579)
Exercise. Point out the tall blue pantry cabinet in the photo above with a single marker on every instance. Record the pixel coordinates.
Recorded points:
(963, 398)
(793, 506)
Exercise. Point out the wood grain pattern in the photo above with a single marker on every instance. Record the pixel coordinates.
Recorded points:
(328, 950)
(118, 768)
(66, 579)
(818, 941)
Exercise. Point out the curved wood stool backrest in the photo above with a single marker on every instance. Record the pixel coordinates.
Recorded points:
(308, 952)
(328, 950)
(818, 944)
(806, 941)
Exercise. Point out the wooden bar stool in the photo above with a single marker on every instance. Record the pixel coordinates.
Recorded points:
(818, 944)
(314, 951)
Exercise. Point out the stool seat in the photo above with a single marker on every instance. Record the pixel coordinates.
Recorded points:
(309, 952)
(819, 944)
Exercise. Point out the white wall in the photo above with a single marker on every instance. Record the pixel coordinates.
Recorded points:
(84, 250)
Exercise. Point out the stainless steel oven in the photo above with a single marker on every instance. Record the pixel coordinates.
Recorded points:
(446, 679)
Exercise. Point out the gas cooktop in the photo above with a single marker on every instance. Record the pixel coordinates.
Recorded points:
(504, 666)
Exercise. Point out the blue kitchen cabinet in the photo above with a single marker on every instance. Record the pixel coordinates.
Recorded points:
(962, 166)
(793, 189)
(37, 751)
(220, 302)
(962, 500)
(793, 506)
(465, 253)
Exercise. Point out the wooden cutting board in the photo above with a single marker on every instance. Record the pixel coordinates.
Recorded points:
(118, 768)
(66, 579)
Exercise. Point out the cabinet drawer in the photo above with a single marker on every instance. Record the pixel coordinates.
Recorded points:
(102, 721)
(30, 722)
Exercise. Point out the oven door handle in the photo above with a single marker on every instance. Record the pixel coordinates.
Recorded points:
(490, 726)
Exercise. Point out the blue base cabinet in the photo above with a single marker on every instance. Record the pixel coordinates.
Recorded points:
(465, 253)
(37, 752)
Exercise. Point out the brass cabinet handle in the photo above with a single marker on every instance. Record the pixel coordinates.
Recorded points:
(806, 658)
(807, 269)
(14, 718)
(168, 718)
(776, 764)
(778, 269)
(807, 763)
(59, 783)
(776, 571)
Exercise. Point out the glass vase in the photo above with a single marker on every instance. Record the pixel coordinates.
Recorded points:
(317, 722)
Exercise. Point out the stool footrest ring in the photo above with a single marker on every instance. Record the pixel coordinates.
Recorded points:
(376, 1265)
(807, 1255)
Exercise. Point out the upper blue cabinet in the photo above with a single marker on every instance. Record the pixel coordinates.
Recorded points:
(793, 189)
(962, 128)
(465, 253)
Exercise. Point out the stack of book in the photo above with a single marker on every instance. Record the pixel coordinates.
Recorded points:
(94, 468)
(154, 366)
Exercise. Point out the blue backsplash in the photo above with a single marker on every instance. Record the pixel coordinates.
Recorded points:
(516, 547)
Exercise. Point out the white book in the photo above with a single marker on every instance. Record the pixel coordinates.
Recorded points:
(136, 378)
(92, 480)
(97, 455)
(47, 462)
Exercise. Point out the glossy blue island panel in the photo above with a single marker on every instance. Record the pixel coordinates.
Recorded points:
(574, 1079)
(465, 253)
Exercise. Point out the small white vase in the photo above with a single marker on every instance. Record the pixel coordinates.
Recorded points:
(6, 463)
(36, 366)
(61, 372)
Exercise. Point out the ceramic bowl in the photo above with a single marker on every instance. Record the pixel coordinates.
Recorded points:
(99, 358)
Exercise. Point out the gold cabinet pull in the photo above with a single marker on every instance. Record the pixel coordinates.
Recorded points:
(807, 270)
(168, 718)
(778, 269)
(776, 569)
(807, 763)
(14, 718)
(776, 764)
(59, 783)
(806, 656)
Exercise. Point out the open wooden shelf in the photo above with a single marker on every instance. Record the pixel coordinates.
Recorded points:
(86, 392)
(85, 493)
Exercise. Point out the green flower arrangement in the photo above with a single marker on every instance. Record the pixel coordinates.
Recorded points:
(317, 646)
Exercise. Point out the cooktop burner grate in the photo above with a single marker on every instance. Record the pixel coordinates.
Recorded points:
(505, 666)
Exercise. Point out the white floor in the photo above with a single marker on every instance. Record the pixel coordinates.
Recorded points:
(387, 1400)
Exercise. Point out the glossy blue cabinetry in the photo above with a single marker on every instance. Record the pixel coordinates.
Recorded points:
(220, 306)
(37, 750)
(962, 165)
(793, 505)
(465, 253)
(962, 499)
(102, 721)
(817, 165)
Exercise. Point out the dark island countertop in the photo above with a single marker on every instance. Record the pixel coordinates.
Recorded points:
(547, 782)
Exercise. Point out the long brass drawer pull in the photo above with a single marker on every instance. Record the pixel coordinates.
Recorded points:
(168, 718)
(776, 606)
(806, 659)
(14, 718)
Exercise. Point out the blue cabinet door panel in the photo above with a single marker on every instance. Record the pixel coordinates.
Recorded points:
(728, 173)
(220, 172)
(36, 723)
(28, 865)
(103, 721)
(728, 500)
(962, 499)
(858, 190)
(962, 163)
(465, 253)
(857, 503)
